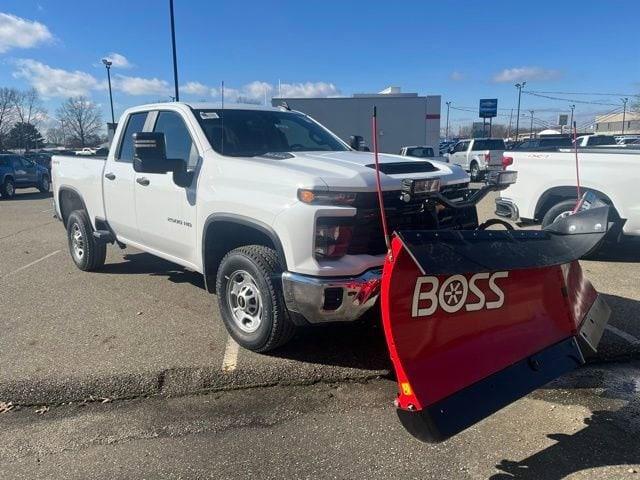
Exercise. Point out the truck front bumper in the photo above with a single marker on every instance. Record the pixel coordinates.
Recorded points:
(331, 299)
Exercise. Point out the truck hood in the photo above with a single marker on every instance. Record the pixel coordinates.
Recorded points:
(354, 171)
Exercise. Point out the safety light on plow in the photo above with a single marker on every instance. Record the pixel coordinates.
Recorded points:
(419, 188)
(506, 177)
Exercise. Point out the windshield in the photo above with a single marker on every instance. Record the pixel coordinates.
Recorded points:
(249, 133)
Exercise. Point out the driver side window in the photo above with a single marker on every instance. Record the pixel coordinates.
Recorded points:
(177, 138)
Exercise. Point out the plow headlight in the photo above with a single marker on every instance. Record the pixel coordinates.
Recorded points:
(506, 177)
(418, 187)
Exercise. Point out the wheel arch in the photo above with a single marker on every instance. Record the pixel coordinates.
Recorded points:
(222, 232)
(557, 194)
(69, 199)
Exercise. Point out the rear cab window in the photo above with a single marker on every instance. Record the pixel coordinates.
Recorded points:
(135, 123)
(489, 144)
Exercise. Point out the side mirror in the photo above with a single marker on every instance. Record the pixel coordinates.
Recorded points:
(451, 149)
(356, 142)
(150, 153)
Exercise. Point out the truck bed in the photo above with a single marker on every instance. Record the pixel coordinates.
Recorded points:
(82, 174)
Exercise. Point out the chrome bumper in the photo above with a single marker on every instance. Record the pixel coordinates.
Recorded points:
(507, 209)
(321, 300)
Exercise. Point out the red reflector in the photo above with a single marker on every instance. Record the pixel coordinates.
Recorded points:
(506, 161)
(487, 157)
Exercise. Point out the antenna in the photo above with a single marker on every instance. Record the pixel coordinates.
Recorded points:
(575, 147)
(222, 119)
(383, 216)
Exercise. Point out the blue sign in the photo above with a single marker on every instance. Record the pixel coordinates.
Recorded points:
(488, 107)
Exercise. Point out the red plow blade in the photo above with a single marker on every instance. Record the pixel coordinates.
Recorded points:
(472, 324)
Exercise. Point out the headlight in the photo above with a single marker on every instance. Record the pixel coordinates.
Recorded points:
(320, 197)
(332, 238)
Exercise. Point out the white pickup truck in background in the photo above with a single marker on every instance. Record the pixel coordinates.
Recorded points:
(546, 186)
(278, 214)
(478, 156)
(422, 151)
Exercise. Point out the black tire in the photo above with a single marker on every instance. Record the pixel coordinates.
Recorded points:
(558, 209)
(474, 172)
(8, 188)
(262, 266)
(44, 184)
(86, 252)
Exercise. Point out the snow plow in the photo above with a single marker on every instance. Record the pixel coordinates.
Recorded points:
(476, 319)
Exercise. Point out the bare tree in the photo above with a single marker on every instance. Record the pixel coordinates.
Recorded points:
(7, 112)
(81, 119)
(29, 108)
(56, 135)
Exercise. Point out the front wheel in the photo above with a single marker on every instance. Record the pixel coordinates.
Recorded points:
(250, 298)
(87, 253)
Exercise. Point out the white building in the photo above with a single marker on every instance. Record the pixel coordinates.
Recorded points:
(612, 124)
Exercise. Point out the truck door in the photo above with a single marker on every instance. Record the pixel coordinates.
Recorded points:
(119, 194)
(166, 212)
(459, 156)
(20, 172)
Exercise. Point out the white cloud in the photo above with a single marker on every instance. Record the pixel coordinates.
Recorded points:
(519, 74)
(309, 89)
(16, 32)
(118, 60)
(457, 76)
(195, 88)
(55, 82)
(141, 86)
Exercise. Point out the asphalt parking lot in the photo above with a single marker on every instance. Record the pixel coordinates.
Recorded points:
(144, 326)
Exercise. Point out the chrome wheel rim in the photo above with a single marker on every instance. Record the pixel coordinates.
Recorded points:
(9, 189)
(77, 242)
(45, 184)
(244, 300)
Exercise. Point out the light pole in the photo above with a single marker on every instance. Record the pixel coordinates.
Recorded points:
(107, 64)
(573, 107)
(173, 46)
(531, 127)
(624, 112)
(519, 86)
(446, 135)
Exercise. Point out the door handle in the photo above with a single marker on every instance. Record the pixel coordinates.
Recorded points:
(143, 181)
(109, 176)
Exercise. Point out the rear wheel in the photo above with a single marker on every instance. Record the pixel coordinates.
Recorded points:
(250, 298)
(8, 188)
(558, 211)
(44, 184)
(87, 253)
(474, 172)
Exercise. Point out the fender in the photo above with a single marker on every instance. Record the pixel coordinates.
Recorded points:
(252, 223)
(66, 188)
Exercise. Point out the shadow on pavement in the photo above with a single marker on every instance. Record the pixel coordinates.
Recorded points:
(147, 264)
(608, 438)
(19, 195)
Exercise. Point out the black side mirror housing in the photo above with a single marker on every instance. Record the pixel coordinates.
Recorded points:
(356, 142)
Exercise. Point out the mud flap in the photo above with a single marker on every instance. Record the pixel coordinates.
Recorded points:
(475, 320)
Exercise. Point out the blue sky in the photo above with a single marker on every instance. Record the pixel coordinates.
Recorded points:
(462, 50)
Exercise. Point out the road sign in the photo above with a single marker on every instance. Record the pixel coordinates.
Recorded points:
(488, 107)
(563, 120)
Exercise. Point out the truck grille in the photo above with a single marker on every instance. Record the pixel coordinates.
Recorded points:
(368, 237)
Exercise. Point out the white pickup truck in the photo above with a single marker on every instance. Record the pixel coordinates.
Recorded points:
(546, 188)
(278, 214)
(478, 156)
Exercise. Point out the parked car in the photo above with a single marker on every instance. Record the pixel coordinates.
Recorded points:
(546, 187)
(19, 172)
(478, 156)
(595, 140)
(543, 143)
(42, 159)
(86, 151)
(423, 151)
(277, 213)
(627, 140)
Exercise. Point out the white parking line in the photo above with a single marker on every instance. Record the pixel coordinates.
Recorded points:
(30, 264)
(230, 359)
(624, 335)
